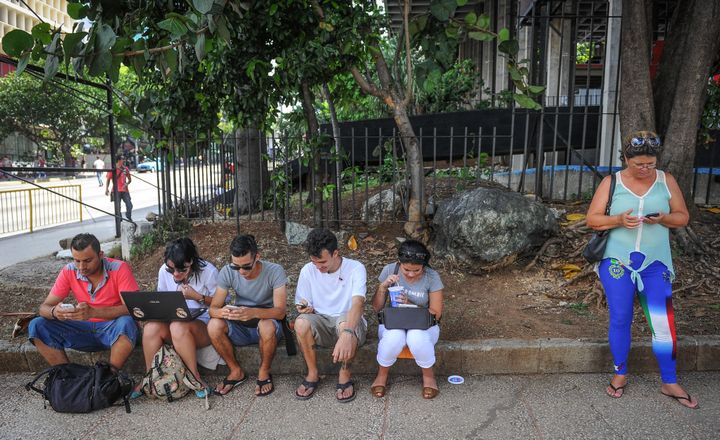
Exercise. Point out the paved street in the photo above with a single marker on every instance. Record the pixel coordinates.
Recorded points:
(566, 406)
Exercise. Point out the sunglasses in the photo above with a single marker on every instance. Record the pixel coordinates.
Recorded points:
(646, 166)
(246, 267)
(653, 142)
(172, 270)
(422, 256)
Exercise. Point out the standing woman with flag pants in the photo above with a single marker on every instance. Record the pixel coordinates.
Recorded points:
(646, 203)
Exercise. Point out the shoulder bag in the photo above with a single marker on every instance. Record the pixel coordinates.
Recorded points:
(595, 249)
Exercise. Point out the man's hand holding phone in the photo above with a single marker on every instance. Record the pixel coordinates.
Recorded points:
(304, 306)
(235, 313)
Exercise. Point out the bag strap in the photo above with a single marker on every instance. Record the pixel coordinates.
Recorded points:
(613, 181)
(290, 346)
(31, 385)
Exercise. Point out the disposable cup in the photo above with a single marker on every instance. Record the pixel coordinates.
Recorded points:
(395, 293)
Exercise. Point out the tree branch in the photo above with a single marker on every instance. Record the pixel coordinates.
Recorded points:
(408, 59)
(365, 85)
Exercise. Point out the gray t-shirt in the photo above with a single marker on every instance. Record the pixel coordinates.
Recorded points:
(252, 293)
(417, 292)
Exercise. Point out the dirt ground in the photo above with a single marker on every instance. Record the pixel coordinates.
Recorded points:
(529, 298)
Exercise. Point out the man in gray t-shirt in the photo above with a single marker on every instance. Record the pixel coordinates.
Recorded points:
(251, 315)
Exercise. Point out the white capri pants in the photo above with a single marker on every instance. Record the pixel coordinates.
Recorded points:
(420, 342)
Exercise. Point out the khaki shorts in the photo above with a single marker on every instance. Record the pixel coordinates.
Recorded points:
(326, 328)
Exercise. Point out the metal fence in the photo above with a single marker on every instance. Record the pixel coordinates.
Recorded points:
(35, 208)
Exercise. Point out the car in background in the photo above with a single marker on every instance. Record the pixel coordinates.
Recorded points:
(149, 165)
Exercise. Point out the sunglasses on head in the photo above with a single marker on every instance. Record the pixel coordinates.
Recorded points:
(420, 256)
(172, 270)
(246, 267)
(640, 141)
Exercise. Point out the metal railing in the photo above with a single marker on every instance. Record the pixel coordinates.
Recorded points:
(35, 208)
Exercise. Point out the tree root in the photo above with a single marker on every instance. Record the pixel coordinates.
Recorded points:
(542, 250)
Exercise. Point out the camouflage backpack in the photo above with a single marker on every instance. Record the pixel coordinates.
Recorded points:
(168, 377)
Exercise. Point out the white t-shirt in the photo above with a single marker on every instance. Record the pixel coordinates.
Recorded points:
(99, 164)
(331, 293)
(204, 284)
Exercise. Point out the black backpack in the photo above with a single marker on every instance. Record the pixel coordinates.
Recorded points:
(74, 388)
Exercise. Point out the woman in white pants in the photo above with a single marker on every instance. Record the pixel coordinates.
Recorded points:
(423, 288)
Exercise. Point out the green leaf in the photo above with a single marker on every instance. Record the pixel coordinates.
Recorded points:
(483, 21)
(461, 3)
(171, 58)
(273, 9)
(481, 36)
(443, 9)
(52, 63)
(451, 31)
(471, 18)
(200, 47)
(101, 64)
(22, 63)
(76, 11)
(536, 89)
(525, 101)
(173, 25)
(105, 38)
(503, 35)
(422, 22)
(71, 44)
(203, 6)
(115, 69)
(16, 42)
(433, 78)
(41, 31)
(223, 30)
(515, 74)
(510, 47)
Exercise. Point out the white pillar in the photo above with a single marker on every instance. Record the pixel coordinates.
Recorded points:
(610, 124)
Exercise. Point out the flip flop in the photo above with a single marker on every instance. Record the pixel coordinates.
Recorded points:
(679, 398)
(267, 381)
(343, 387)
(312, 386)
(616, 389)
(233, 384)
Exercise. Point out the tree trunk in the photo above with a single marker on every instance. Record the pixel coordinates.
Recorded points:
(251, 173)
(337, 156)
(637, 110)
(681, 86)
(416, 203)
(316, 178)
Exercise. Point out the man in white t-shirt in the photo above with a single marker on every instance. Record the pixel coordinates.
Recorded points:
(99, 166)
(329, 297)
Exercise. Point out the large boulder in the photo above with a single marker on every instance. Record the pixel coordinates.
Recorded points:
(487, 224)
(296, 233)
(386, 205)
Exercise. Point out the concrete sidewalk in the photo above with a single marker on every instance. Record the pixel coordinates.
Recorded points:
(557, 406)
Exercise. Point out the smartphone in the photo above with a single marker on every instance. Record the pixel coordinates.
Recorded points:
(67, 307)
(653, 214)
(231, 307)
(302, 306)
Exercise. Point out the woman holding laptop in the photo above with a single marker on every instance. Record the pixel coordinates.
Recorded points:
(184, 271)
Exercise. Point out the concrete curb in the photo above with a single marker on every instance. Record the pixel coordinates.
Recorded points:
(485, 356)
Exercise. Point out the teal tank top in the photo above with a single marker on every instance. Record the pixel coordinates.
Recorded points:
(653, 241)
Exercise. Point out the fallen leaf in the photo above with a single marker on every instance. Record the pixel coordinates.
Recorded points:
(713, 210)
(575, 217)
(352, 244)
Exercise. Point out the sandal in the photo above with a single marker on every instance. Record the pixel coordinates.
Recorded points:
(233, 384)
(312, 386)
(378, 391)
(343, 387)
(620, 389)
(261, 383)
(680, 398)
(430, 393)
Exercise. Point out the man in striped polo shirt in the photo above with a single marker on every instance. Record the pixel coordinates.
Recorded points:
(99, 320)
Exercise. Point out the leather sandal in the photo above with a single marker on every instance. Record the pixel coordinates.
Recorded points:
(378, 391)
(430, 393)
